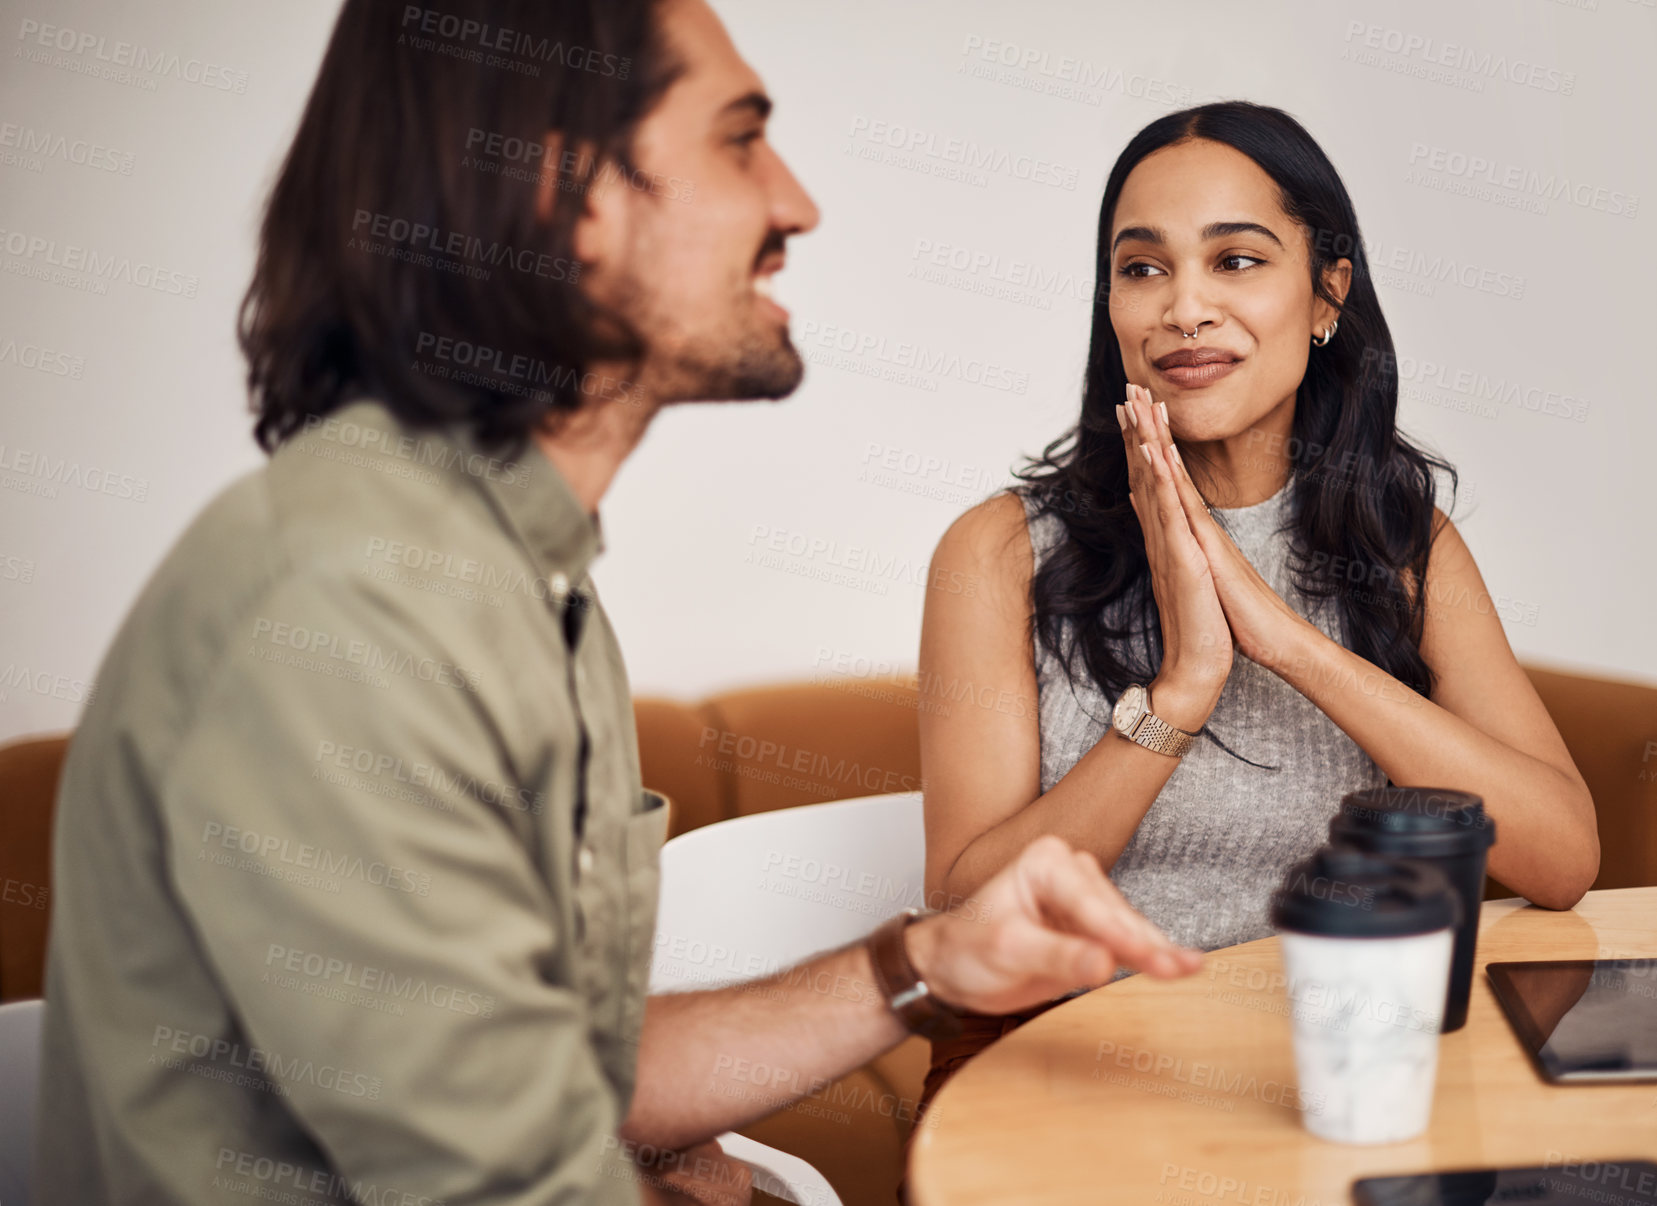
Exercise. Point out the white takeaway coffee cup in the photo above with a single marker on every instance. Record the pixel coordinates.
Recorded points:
(1366, 943)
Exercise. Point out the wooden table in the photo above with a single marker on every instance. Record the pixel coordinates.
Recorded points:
(1183, 1092)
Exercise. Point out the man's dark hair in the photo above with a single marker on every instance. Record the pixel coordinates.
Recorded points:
(400, 252)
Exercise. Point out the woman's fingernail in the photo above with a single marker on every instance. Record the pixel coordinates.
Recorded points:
(1121, 419)
(1163, 407)
(1128, 397)
(1133, 416)
(1174, 452)
(1146, 449)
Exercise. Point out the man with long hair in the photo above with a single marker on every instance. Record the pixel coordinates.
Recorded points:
(355, 878)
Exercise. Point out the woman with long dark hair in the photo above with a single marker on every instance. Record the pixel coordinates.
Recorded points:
(1226, 597)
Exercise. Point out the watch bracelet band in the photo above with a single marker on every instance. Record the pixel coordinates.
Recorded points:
(1155, 733)
(905, 992)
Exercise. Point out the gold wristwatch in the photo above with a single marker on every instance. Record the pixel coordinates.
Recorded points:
(1132, 717)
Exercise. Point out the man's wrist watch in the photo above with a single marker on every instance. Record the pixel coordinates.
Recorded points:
(901, 985)
(1132, 717)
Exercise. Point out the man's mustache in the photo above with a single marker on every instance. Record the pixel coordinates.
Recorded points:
(773, 245)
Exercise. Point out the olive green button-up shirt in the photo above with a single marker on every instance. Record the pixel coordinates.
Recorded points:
(354, 879)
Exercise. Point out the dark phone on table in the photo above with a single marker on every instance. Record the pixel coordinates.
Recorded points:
(1572, 1183)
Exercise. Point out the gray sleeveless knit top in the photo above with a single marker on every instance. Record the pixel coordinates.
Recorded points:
(1206, 857)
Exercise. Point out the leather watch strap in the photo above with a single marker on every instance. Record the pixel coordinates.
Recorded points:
(906, 993)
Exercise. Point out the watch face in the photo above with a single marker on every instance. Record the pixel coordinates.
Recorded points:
(1130, 706)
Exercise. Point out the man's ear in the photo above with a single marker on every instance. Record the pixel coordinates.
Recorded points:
(600, 229)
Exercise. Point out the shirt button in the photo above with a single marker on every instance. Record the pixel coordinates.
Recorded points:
(584, 859)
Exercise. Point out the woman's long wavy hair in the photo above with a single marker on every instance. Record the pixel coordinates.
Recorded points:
(1362, 507)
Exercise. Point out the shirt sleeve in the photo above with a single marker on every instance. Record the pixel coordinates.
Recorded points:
(376, 918)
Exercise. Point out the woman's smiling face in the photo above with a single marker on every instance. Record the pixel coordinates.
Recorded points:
(1200, 242)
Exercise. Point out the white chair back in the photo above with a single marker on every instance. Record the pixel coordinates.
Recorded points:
(19, 1077)
(744, 898)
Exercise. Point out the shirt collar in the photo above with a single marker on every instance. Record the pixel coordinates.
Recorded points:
(528, 494)
(542, 510)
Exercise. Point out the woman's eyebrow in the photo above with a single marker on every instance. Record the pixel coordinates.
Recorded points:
(1139, 234)
(1214, 230)
(1224, 230)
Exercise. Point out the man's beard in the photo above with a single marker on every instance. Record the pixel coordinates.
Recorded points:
(745, 359)
(753, 365)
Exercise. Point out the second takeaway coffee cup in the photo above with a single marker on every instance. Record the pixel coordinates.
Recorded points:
(1366, 949)
(1436, 825)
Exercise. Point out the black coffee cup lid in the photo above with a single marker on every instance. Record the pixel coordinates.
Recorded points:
(1345, 892)
(1414, 821)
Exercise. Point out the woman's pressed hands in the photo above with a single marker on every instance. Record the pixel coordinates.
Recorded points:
(1260, 622)
(1196, 640)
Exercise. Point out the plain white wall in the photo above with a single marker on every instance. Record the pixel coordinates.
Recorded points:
(1508, 304)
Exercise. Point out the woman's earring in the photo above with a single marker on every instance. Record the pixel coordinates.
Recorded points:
(1327, 335)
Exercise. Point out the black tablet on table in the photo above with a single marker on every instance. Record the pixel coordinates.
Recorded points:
(1583, 1020)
